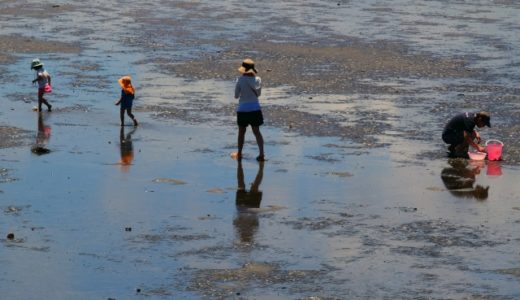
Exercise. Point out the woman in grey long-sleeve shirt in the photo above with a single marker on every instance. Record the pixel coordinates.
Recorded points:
(247, 90)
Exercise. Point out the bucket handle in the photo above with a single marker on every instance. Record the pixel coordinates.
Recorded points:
(494, 141)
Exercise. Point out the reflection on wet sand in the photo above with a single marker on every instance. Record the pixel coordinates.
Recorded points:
(246, 220)
(460, 178)
(42, 137)
(127, 148)
(494, 168)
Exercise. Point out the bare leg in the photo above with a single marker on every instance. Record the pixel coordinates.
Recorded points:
(129, 112)
(41, 101)
(259, 141)
(241, 137)
(49, 107)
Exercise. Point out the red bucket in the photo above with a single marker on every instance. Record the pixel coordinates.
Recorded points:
(494, 149)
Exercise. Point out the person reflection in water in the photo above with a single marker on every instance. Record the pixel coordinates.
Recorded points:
(460, 178)
(127, 148)
(42, 137)
(246, 221)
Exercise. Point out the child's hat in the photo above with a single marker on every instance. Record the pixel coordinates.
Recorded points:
(125, 81)
(126, 84)
(36, 63)
(248, 66)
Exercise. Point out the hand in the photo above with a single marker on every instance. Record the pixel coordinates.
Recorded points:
(477, 137)
(481, 148)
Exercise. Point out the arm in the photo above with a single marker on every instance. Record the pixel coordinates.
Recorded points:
(258, 86)
(477, 136)
(470, 140)
(49, 78)
(119, 102)
(37, 78)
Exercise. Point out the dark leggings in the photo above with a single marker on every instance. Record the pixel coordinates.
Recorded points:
(128, 112)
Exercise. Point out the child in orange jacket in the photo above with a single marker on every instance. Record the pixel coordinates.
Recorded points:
(126, 100)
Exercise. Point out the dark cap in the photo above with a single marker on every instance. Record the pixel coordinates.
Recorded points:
(485, 117)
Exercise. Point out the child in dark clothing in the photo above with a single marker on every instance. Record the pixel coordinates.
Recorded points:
(127, 99)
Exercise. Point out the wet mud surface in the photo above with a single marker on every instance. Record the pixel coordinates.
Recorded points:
(12, 137)
(356, 201)
(428, 86)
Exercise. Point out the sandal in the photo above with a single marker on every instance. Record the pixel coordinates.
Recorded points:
(260, 158)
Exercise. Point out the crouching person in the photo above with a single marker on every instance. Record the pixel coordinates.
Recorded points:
(460, 132)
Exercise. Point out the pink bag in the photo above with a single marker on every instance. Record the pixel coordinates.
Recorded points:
(47, 88)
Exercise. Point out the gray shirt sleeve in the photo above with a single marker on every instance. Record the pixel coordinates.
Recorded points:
(258, 86)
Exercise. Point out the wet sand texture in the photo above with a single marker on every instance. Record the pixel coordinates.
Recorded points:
(356, 201)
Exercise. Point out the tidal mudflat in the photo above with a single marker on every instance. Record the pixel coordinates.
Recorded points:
(356, 201)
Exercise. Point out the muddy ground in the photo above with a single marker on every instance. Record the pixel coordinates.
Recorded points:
(331, 65)
(356, 201)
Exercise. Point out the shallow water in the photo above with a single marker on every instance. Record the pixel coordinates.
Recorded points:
(154, 212)
(336, 218)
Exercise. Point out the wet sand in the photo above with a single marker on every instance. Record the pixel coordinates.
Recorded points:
(357, 199)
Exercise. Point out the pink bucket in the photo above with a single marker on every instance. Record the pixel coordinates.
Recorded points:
(494, 149)
(47, 88)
